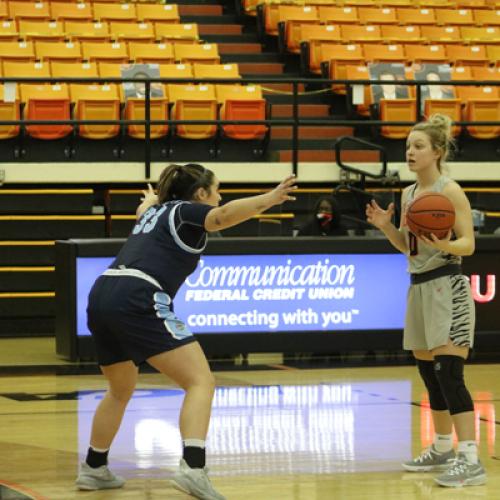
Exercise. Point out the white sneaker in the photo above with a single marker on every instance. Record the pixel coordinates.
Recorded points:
(195, 482)
(100, 478)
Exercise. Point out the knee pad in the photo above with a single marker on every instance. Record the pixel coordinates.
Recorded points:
(450, 373)
(436, 398)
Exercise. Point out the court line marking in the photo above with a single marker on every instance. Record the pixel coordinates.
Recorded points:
(32, 495)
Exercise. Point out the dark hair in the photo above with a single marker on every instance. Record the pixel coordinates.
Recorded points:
(336, 212)
(180, 182)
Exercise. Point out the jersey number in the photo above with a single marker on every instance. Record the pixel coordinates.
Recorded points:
(148, 220)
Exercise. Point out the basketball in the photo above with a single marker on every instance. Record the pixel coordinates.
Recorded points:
(430, 213)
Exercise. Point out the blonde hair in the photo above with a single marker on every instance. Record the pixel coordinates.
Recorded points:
(438, 129)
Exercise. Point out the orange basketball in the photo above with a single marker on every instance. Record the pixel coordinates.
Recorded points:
(430, 213)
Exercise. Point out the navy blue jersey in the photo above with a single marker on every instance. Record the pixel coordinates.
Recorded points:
(166, 243)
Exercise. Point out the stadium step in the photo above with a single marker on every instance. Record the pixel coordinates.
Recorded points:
(217, 32)
(239, 48)
(311, 132)
(209, 19)
(261, 69)
(201, 10)
(305, 110)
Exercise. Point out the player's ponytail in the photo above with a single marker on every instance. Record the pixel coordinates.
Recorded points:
(439, 130)
(180, 182)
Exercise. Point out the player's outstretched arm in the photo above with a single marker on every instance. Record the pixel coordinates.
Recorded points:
(382, 219)
(237, 211)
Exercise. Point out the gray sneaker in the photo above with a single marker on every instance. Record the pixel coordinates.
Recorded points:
(195, 482)
(100, 478)
(430, 460)
(462, 473)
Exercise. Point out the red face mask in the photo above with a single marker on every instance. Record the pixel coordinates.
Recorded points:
(324, 218)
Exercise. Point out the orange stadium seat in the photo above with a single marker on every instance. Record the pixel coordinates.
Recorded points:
(339, 56)
(285, 12)
(159, 53)
(29, 10)
(361, 34)
(17, 51)
(203, 53)
(397, 110)
(242, 103)
(396, 3)
(487, 17)
(25, 69)
(469, 55)
(377, 15)
(416, 16)
(176, 71)
(73, 69)
(109, 69)
(129, 31)
(98, 51)
(10, 110)
(194, 102)
(96, 102)
(293, 22)
(4, 12)
(448, 107)
(8, 31)
(47, 102)
(375, 52)
(167, 13)
(460, 73)
(401, 34)
(426, 53)
(456, 17)
(216, 71)
(441, 34)
(177, 32)
(483, 34)
(63, 51)
(315, 35)
(40, 29)
(115, 11)
(338, 15)
(135, 109)
(493, 52)
(483, 104)
(87, 30)
(482, 73)
(71, 10)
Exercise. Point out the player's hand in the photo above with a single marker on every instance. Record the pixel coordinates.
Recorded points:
(282, 192)
(150, 197)
(377, 216)
(439, 244)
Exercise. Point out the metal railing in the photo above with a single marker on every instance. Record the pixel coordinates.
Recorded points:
(295, 121)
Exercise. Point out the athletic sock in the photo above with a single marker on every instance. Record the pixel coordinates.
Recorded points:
(96, 457)
(194, 453)
(469, 449)
(443, 443)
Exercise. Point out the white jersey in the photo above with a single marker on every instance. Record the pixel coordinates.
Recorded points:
(421, 257)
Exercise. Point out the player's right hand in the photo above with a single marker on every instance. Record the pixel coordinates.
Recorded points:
(377, 216)
(282, 192)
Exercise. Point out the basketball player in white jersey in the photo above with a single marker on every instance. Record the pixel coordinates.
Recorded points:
(440, 317)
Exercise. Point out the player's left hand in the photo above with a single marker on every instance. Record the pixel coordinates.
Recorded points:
(439, 244)
(150, 197)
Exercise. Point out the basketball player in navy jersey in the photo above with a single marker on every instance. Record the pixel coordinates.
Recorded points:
(131, 317)
(440, 316)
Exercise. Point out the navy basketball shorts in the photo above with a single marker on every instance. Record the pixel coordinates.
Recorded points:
(131, 319)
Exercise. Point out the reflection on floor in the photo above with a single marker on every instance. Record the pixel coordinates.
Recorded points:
(306, 429)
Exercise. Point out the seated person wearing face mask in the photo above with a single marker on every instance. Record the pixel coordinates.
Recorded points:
(326, 220)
